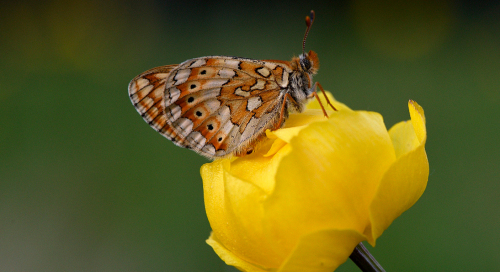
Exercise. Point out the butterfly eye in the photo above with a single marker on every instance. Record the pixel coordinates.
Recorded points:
(191, 99)
(305, 63)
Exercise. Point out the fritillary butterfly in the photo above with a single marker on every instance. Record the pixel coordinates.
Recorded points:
(218, 105)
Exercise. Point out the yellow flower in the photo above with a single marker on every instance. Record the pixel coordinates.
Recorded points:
(315, 189)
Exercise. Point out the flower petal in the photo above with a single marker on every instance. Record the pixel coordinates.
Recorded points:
(304, 118)
(318, 185)
(418, 118)
(229, 257)
(227, 197)
(259, 170)
(403, 138)
(322, 251)
(294, 124)
(405, 181)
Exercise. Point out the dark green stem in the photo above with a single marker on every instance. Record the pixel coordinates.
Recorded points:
(364, 260)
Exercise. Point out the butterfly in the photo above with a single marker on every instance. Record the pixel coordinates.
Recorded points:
(220, 106)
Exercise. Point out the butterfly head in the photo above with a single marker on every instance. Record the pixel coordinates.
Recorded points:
(309, 63)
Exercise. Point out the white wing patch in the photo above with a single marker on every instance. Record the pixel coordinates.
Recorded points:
(254, 102)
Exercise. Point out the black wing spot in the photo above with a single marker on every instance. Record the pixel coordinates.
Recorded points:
(198, 113)
(210, 127)
(220, 139)
(191, 99)
(192, 86)
(203, 72)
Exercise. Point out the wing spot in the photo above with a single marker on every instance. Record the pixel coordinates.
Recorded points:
(232, 63)
(191, 99)
(198, 113)
(254, 102)
(203, 72)
(284, 79)
(192, 86)
(199, 62)
(209, 149)
(240, 92)
(210, 127)
(259, 85)
(226, 73)
(181, 76)
(220, 139)
(263, 71)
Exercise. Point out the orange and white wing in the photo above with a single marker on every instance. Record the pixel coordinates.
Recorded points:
(147, 93)
(214, 105)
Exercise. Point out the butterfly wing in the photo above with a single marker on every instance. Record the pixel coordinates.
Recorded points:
(147, 93)
(214, 105)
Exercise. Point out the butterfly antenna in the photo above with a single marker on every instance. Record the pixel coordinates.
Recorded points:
(309, 22)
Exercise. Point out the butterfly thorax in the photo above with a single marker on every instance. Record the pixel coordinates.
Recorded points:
(301, 79)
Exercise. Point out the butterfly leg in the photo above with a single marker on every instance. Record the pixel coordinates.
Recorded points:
(326, 97)
(313, 93)
(321, 104)
(282, 113)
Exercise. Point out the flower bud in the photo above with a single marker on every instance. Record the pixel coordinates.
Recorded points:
(314, 189)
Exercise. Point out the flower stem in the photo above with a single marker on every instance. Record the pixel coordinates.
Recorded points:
(364, 260)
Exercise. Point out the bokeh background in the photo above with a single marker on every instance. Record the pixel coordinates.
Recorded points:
(86, 185)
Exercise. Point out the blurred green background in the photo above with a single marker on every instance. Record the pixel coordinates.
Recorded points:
(86, 185)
